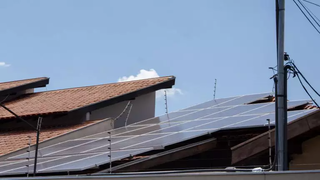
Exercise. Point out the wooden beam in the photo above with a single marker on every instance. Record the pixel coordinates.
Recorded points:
(260, 143)
(165, 157)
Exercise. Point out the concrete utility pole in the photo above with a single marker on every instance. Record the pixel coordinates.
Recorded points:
(281, 94)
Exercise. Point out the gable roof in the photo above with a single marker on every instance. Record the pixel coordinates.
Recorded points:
(174, 129)
(83, 98)
(20, 85)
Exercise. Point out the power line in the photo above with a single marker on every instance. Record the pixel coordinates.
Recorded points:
(305, 78)
(305, 89)
(313, 14)
(297, 73)
(306, 16)
(307, 10)
(312, 3)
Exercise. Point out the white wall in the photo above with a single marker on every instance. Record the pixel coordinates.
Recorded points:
(143, 107)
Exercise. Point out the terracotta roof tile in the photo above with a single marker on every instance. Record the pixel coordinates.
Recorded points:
(14, 140)
(12, 84)
(59, 101)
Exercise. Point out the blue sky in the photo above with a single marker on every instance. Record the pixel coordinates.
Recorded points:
(78, 43)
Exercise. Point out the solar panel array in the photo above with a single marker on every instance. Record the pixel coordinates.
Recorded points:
(159, 132)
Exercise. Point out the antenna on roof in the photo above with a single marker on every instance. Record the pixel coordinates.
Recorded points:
(29, 144)
(166, 103)
(215, 89)
(110, 165)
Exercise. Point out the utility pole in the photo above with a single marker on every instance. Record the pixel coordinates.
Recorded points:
(281, 98)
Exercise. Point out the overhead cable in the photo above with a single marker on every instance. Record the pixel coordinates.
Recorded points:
(308, 11)
(306, 17)
(312, 3)
(305, 89)
(298, 71)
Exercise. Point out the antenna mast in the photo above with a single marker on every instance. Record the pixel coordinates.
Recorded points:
(215, 88)
(166, 101)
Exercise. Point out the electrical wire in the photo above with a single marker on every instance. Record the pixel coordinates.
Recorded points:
(313, 14)
(305, 89)
(312, 3)
(306, 17)
(308, 11)
(4, 99)
(124, 110)
(298, 71)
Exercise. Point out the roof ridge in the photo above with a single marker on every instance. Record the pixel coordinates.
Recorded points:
(169, 77)
(24, 80)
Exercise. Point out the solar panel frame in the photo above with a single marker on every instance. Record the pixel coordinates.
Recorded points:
(98, 159)
(156, 133)
(223, 102)
(167, 140)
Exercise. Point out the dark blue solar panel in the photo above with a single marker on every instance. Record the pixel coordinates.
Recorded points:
(156, 132)
(238, 100)
(246, 99)
(91, 161)
(184, 126)
(168, 139)
(270, 107)
(225, 122)
(210, 103)
(164, 118)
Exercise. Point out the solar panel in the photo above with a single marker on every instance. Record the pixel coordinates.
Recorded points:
(211, 103)
(92, 161)
(90, 151)
(61, 148)
(164, 118)
(262, 120)
(220, 124)
(246, 99)
(20, 164)
(271, 107)
(183, 126)
(71, 163)
(168, 139)
(230, 101)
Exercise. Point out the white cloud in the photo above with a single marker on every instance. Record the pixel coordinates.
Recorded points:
(3, 64)
(145, 74)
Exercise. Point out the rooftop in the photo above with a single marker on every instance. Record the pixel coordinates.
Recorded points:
(12, 84)
(65, 100)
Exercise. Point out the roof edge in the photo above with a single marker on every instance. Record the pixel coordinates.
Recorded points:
(124, 97)
(236, 151)
(36, 84)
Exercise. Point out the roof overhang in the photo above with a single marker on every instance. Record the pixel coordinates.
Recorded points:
(125, 97)
(90, 107)
(36, 84)
(259, 144)
(146, 162)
